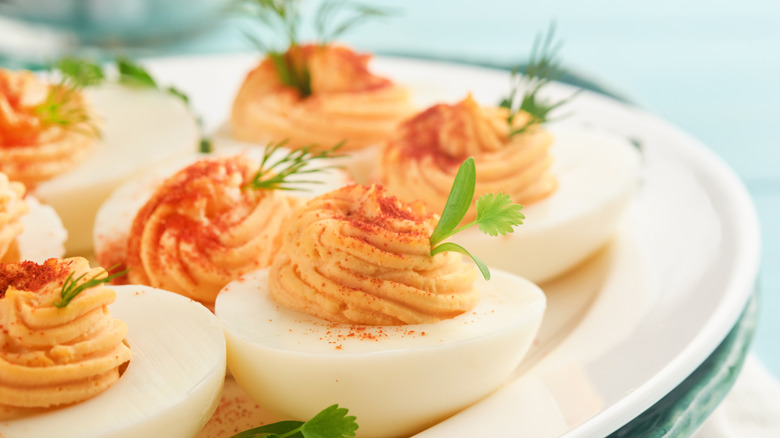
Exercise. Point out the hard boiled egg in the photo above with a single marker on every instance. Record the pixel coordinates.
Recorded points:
(598, 174)
(171, 385)
(140, 129)
(397, 380)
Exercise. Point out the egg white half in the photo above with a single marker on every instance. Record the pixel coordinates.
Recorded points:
(43, 236)
(397, 380)
(140, 129)
(170, 387)
(598, 174)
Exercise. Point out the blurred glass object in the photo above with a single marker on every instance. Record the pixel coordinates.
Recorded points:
(33, 32)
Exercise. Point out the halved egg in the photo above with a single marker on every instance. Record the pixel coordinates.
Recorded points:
(598, 174)
(171, 385)
(140, 129)
(397, 380)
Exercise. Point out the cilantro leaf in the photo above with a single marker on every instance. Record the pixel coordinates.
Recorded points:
(331, 422)
(496, 214)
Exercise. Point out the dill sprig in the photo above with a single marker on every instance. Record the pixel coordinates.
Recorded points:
(71, 288)
(543, 67)
(63, 108)
(276, 175)
(332, 19)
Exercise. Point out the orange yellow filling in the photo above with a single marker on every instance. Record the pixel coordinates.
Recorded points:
(347, 101)
(52, 356)
(358, 255)
(45, 129)
(421, 158)
(202, 228)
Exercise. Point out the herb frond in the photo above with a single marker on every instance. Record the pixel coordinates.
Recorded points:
(276, 175)
(332, 422)
(71, 288)
(543, 67)
(496, 214)
(63, 108)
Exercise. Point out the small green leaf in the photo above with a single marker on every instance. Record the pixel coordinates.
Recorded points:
(133, 74)
(458, 201)
(332, 422)
(449, 246)
(178, 93)
(205, 146)
(496, 214)
(272, 430)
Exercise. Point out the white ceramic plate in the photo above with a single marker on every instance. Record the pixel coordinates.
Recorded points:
(628, 325)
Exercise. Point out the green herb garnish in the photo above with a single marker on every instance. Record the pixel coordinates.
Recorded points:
(71, 288)
(331, 422)
(80, 72)
(60, 109)
(283, 17)
(275, 176)
(543, 67)
(496, 214)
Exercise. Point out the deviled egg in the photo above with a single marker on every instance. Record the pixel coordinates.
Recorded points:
(575, 184)
(355, 310)
(72, 146)
(170, 386)
(194, 227)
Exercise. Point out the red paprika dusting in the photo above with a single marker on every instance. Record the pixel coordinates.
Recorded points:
(419, 138)
(31, 276)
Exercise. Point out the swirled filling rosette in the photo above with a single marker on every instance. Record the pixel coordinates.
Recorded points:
(421, 158)
(59, 344)
(347, 102)
(45, 129)
(28, 230)
(203, 227)
(365, 306)
(357, 255)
